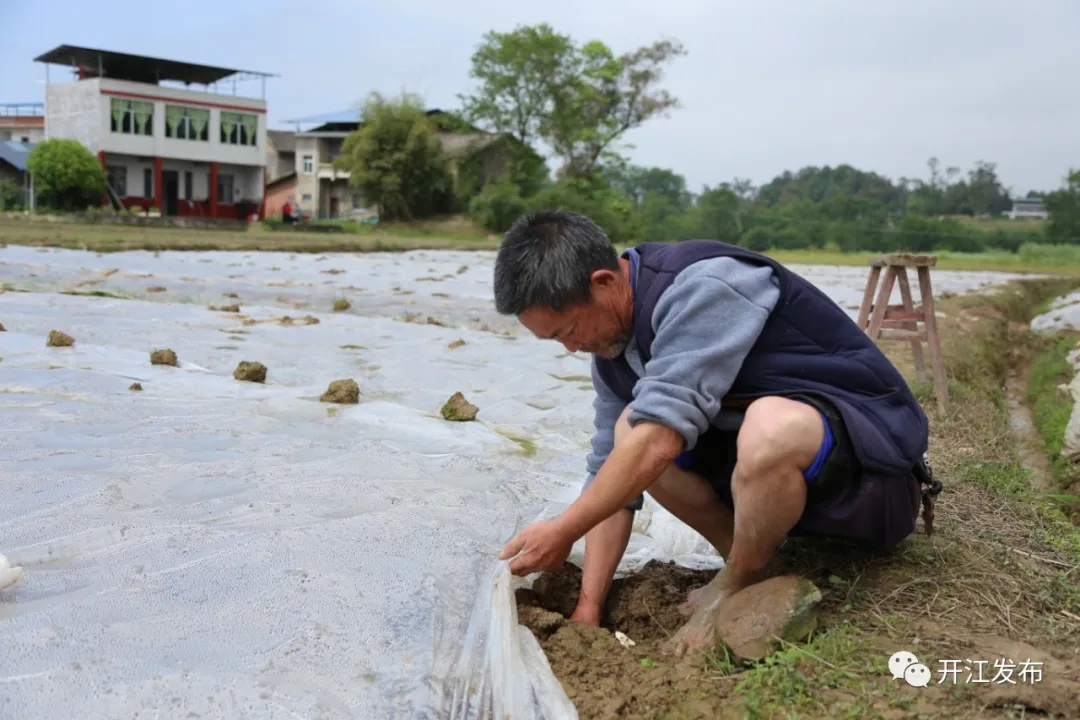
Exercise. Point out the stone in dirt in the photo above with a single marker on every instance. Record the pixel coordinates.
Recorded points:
(250, 371)
(135, 386)
(458, 409)
(345, 392)
(163, 357)
(59, 339)
(757, 620)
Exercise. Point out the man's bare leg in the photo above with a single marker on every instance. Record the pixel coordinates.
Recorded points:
(778, 440)
(691, 499)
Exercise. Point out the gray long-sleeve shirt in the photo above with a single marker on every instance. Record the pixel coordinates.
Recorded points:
(705, 324)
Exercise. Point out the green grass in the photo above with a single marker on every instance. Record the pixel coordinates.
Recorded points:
(1031, 258)
(527, 445)
(1000, 224)
(1050, 406)
(104, 238)
(448, 234)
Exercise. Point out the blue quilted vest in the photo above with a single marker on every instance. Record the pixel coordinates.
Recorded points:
(808, 345)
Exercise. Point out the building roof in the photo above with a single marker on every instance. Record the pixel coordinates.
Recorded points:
(352, 115)
(283, 140)
(341, 121)
(15, 153)
(138, 68)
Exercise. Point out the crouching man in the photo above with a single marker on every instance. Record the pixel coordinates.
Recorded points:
(739, 396)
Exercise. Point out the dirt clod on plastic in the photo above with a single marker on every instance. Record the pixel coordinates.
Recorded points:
(344, 392)
(341, 305)
(165, 356)
(156, 289)
(233, 308)
(58, 338)
(135, 387)
(250, 371)
(458, 409)
(2, 328)
(456, 344)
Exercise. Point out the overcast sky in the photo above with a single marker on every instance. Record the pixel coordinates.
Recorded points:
(767, 85)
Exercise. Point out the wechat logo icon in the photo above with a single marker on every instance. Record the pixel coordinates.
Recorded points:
(904, 665)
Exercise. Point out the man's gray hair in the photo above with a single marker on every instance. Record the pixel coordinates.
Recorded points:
(546, 259)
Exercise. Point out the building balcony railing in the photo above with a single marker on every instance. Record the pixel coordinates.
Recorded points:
(327, 170)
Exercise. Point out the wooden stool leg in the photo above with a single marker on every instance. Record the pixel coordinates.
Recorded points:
(909, 306)
(868, 296)
(882, 303)
(941, 383)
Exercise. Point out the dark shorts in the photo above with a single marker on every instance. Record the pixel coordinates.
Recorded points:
(829, 479)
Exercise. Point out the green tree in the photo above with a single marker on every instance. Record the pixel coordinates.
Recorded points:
(1064, 206)
(539, 86)
(66, 174)
(395, 159)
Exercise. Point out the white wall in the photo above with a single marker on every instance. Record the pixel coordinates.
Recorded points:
(73, 111)
(82, 110)
(134, 175)
(247, 181)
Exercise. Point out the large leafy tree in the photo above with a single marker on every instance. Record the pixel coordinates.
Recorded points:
(66, 174)
(395, 158)
(538, 85)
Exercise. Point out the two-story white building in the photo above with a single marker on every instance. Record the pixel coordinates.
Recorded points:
(182, 151)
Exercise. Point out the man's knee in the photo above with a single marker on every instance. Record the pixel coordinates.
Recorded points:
(779, 433)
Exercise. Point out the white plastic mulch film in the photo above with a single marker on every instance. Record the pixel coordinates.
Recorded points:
(216, 548)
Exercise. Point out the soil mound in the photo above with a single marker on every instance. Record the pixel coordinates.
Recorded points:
(344, 392)
(458, 409)
(59, 339)
(250, 371)
(605, 679)
(163, 357)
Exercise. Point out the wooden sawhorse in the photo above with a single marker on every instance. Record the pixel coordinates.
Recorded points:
(882, 321)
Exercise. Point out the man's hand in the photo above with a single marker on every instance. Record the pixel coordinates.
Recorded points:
(542, 546)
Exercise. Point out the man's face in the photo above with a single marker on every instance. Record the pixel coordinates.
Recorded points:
(601, 326)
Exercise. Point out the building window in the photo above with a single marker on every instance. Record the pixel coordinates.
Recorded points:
(132, 117)
(187, 123)
(225, 189)
(148, 182)
(239, 128)
(117, 178)
(306, 197)
(309, 164)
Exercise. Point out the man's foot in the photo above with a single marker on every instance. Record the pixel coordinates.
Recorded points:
(700, 596)
(698, 632)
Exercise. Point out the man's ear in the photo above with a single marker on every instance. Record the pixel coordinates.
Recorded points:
(604, 278)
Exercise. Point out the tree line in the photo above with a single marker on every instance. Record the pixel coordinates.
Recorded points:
(541, 89)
